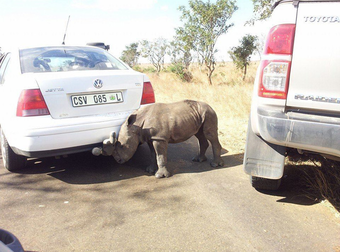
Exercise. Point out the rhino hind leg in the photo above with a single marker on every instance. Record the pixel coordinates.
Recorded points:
(203, 146)
(216, 147)
(210, 132)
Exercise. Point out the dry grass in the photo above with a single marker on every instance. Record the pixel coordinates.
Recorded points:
(318, 177)
(229, 96)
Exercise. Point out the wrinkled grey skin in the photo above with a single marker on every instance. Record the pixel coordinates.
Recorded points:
(160, 124)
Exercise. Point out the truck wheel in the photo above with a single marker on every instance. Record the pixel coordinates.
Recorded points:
(11, 161)
(265, 184)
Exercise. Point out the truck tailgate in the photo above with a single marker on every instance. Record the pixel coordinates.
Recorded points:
(315, 71)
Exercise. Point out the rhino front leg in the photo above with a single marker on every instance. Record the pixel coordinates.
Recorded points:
(152, 168)
(161, 149)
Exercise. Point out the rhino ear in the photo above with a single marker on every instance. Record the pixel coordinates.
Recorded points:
(132, 119)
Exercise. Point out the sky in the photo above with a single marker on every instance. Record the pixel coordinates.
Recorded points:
(116, 23)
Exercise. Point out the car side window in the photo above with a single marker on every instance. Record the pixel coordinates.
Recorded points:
(3, 66)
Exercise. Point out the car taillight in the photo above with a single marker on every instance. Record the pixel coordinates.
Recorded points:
(275, 69)
(148, 94)
(31, 103)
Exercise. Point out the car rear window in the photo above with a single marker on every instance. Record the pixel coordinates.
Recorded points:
(65, 58)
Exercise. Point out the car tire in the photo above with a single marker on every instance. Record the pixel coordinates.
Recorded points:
(265, 184)
(11, 161)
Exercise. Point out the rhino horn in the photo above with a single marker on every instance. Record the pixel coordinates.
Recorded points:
(113, 137)
(108, 145)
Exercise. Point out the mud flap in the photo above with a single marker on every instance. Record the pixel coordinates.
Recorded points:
(263, 159)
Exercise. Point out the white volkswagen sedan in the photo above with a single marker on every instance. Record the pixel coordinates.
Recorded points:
(64, 99)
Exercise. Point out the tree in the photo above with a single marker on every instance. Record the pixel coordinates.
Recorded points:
(204, 23)
(181, 59)
(155, 52)
(241, 54)
(262, 10)
(181, 47)
(130, 55)
(180, 53)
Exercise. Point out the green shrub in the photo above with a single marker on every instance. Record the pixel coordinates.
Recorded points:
(137, 68)
(149, 69)
(180, 71)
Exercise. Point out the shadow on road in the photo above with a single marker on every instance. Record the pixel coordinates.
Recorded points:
(294, 189)
(84, 168)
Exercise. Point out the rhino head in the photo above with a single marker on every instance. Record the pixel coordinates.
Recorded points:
(123, 148)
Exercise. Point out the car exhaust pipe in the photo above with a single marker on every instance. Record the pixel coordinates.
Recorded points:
(108, 146)
(97, 151)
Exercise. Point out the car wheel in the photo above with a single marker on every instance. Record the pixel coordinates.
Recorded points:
(11, 161)
(265, 184)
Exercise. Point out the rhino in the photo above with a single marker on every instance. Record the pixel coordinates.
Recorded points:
(160, 124)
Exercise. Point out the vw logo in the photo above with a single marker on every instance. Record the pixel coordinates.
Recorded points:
(98, 83)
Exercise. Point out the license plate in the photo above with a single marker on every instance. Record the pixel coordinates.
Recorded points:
(96, 99)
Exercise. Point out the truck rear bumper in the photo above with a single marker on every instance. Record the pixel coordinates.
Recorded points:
(319, 134)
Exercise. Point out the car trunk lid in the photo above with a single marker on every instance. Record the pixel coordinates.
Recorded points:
(87, 93)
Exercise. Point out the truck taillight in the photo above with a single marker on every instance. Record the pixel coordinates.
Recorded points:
(280, 39)
(275, 77)
(148, 94)
(275, 71)
(31, 103)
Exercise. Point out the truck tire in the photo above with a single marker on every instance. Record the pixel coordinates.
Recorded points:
(11, 161)
(265, 184)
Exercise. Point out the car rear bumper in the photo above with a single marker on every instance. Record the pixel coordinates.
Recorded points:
(50, 137)
(314, 133)
(57, 152)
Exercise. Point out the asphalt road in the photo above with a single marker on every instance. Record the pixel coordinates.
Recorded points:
(87, 203)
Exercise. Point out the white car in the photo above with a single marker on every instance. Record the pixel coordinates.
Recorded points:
(60, 100)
